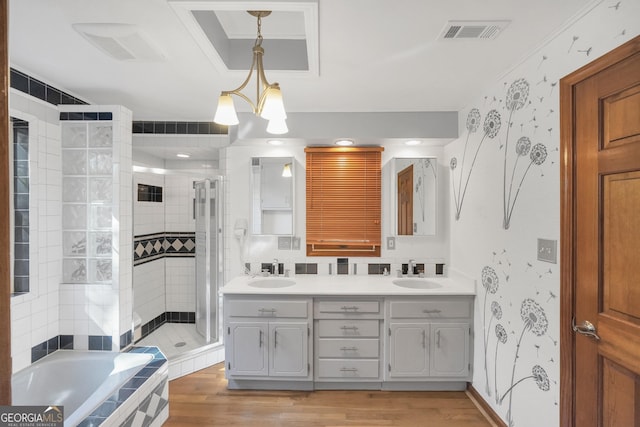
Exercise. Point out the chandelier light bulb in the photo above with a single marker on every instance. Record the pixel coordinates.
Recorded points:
(273, 107)
(277, 127)
(226, 111)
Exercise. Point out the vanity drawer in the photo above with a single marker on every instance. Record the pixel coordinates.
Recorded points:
(267, 308)
(348, 348)
(348, 328)
(345, 368)
(347, 307)
(430, 308)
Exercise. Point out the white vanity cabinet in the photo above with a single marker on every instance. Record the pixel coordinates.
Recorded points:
(429, 339)
(347, 344)
(267, 339)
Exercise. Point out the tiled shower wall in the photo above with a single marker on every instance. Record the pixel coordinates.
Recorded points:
(166, 282)
(34, 316)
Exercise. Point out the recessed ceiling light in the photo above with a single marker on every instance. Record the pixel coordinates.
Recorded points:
(344, 142)
(275, 142)
(183, 155)
(413, 142)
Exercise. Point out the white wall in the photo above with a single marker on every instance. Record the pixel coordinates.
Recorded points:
(34, 316)
(258, 249)
(525, 296)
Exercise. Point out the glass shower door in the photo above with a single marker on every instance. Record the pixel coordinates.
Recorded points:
(207, 258)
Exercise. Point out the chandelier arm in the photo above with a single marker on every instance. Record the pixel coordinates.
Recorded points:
(237, 91)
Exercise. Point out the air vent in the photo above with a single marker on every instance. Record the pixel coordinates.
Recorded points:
(124, 42)
(469, 30)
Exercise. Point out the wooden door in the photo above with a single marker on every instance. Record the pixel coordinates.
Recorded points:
(600, 367)
(405, 201)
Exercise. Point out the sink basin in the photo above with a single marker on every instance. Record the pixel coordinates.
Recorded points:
(417, 283)
(271, 283)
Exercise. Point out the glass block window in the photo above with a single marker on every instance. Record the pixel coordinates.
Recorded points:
(87, 201)
(20, 205)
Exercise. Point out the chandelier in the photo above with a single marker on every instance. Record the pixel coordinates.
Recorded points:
(269, 103)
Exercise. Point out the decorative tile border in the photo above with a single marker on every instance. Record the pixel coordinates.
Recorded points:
(71, 115)
(306, 268)
(179, 128)
(59, 342)
(167, 317)
(150, 407)
(150, 247)
(36, 88)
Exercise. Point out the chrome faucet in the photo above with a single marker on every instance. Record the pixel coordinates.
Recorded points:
(410, 267)
(275, 268)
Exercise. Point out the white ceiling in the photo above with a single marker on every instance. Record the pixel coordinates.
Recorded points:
(372, 55)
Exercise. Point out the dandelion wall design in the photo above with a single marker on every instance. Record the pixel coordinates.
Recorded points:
(491, 127)
(490, 283)
(534, 322)
(516, 99)
(521, 358)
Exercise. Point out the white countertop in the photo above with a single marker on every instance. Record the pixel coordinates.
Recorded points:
(363, 285)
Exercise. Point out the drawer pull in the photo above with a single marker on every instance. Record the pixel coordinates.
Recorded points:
(348, 369)
(267, 310)
(349, 328)
(350, 308)
(260, 341)
(434, 311)
(349, 348)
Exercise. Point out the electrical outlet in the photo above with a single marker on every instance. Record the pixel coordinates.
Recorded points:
(391, 243)
(548, 250)
(284, 243)
(296, 244)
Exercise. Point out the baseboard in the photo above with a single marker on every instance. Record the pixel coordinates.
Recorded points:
(484, 407)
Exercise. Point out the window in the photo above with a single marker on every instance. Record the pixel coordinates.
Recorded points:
(20, 167)
(343, 201)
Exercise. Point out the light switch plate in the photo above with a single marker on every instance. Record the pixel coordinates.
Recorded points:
(391, 243)
(548, 250)
(296, 244)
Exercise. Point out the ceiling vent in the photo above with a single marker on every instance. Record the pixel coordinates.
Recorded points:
(124, 42)
(470, 30)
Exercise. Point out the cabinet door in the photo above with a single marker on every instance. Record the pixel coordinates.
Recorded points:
(246, 349)
(289, 352)
(409, 350)
(450, 349)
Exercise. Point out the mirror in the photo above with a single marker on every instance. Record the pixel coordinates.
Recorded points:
(272, 195)
(416, 195)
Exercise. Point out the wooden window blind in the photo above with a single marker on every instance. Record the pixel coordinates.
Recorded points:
(343, 201)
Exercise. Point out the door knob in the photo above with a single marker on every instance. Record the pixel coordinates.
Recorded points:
(586, 328)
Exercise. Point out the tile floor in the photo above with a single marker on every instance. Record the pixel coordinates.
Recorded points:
(171, 334)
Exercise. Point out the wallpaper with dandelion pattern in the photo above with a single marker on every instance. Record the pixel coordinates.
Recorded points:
(504, 189)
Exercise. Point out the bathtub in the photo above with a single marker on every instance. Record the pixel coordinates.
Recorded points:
(81, 381)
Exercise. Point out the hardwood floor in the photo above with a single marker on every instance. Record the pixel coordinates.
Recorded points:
(202, 399)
